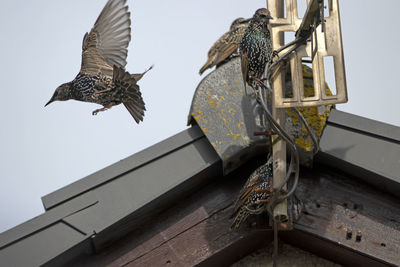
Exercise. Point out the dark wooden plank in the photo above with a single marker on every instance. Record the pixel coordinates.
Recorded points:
(196, 231)
(335, 205)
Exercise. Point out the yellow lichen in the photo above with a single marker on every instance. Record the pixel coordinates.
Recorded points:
(315, 120)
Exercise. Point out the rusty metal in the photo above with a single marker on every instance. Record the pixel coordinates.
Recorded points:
(324, 40)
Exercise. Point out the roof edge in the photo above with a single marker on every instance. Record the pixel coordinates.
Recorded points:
(123, 166)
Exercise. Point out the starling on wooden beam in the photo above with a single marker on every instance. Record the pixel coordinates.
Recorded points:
(227, 46)
(254, 196)
(102, 78)
(256, 48)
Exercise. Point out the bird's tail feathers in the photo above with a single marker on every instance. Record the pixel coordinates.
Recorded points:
(138, 76)
(132, 98)
(136, 112)
(240, 216)
(207, 65)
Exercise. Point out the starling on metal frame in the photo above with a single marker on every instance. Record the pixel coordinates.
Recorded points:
(227, 46)
(255, 194)
(102, 78)
(256, 47)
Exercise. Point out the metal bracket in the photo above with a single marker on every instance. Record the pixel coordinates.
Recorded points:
(326, 41)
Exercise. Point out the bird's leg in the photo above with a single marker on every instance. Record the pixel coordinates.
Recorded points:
(260, 82)
(262, 201)
(102, 109)
(262, 190)
(251, 85)
(96, 94)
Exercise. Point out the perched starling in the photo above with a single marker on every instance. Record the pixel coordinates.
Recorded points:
(102, 78)
(255, 194)
(227, 46)
(256, 47)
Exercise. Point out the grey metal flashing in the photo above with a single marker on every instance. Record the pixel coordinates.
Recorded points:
(40, 247)
(112, 202)
(365, 125)
(365, 148)
(45, 220)
(115, 170)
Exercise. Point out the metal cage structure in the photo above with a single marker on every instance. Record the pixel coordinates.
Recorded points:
(325, 41)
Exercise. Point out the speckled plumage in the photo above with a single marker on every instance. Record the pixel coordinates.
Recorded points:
(255, 194)
(227, 46)
(102, 78)
(256, 47)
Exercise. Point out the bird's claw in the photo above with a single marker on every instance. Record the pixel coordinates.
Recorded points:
(102, 109)
(99, 110)
(275, 54)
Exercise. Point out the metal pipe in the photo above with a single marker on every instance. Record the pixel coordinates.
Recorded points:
(280, 212)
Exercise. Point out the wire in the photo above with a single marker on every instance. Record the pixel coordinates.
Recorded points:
(294, 161)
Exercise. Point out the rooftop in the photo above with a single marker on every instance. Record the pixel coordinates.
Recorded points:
(172, 202)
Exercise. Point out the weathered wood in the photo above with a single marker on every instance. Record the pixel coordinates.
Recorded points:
(335, 205)
(196, 231)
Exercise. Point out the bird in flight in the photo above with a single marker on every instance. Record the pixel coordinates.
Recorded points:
(102, 78)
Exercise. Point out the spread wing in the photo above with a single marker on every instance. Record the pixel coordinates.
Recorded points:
(107, 43)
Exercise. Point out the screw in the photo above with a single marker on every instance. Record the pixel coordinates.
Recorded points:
(358, 236)
(349, 233)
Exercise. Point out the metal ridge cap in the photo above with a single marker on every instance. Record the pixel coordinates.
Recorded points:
(45, 220)
(121, 167)
(364, 125)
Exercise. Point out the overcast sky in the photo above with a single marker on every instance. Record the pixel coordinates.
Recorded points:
(44, 149)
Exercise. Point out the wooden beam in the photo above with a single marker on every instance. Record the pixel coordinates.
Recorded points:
(196, 231)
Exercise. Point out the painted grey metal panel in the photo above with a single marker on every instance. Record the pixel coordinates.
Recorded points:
(152, 186)
(364, 148)
(111, 172)
(41, 222)
(104, 211)
(132, 190)
(39, 248)
(365, 125)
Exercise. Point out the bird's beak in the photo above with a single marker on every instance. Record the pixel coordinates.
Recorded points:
(269, 17)
(51, 100)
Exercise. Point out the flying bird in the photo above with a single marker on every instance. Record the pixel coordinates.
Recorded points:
(102, 78)
(256, 48)
(227, 46)
(255, 194)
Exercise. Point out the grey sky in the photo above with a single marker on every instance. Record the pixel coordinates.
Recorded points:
(43, 149)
